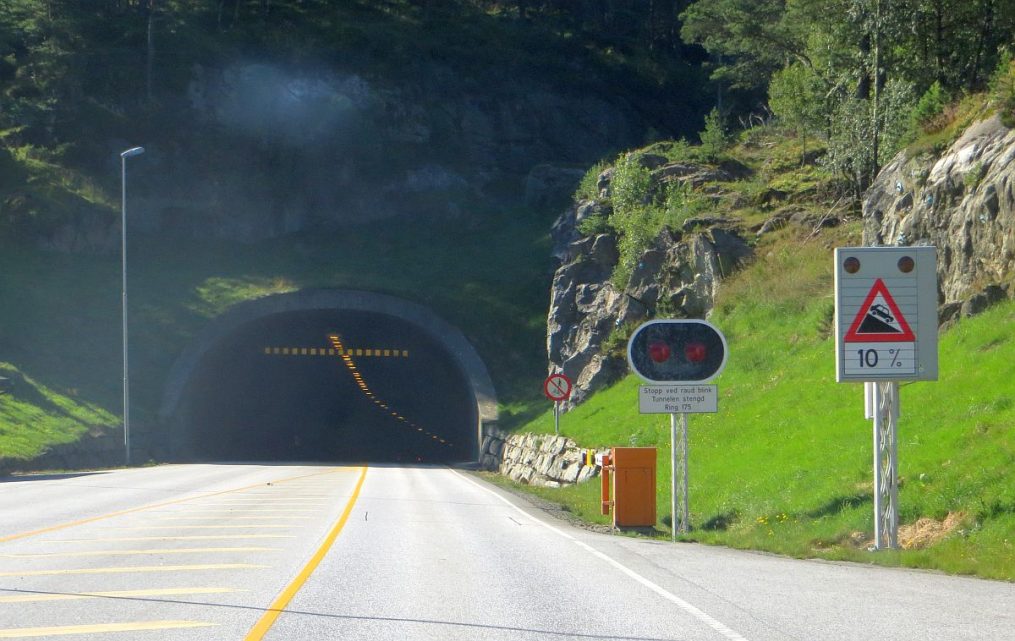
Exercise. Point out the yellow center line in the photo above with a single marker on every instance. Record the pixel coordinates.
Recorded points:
(139, 568)
(137, 552)
(92, 519)
(99, 628)
(195, 537)
(115, 594)
(281, 602)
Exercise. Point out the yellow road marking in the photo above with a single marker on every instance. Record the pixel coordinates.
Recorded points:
(137, 552)
(140, 568)
(99, 628)
(195, 537)
(273, 496)
(294, 501)
(257, 499)
(115, 594)
(61, 526)
(281, 602)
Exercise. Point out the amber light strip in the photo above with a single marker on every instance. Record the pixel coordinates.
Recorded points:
(336, 341)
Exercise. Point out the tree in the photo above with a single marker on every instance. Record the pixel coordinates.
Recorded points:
(796, 96)
(714, 138)
(754, 37)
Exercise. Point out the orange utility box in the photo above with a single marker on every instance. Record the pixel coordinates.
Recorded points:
(629, 486)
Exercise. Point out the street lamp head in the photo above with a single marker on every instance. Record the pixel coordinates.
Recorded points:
(133, 151)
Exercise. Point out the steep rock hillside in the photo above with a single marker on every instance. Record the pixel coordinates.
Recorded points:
(678, 275)
(963, 202)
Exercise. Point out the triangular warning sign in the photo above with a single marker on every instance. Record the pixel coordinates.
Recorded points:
(879, 320)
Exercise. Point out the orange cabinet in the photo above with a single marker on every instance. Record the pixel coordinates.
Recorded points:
(629, 486)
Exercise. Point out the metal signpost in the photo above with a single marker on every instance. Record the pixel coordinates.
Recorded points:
(885, 332)
(666, 352)
(557, 388)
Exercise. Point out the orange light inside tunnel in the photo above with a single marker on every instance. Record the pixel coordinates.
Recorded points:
(351, 366)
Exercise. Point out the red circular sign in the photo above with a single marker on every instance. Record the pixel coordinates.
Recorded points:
(557, 387)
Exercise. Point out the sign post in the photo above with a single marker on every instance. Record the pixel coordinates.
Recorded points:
(557, 388)
(885, 332)
(664, 352)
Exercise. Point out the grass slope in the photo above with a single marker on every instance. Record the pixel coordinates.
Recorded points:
(785, 466)
(34, 417)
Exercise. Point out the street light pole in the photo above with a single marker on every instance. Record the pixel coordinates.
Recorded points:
(133, 151)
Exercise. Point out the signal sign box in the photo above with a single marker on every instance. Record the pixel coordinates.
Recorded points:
(886, 314)
(677, 351)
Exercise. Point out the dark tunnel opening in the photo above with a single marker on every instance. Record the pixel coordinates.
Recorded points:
(328, 385)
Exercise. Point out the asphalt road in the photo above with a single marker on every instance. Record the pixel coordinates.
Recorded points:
(252, 552)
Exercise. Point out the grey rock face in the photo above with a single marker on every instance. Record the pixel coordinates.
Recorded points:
(963, 202)
(676, 277)
(316, 149)
(548, 185)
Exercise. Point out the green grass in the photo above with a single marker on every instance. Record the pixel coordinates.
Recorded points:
(785, 466)
(949, 126)
(34, 418)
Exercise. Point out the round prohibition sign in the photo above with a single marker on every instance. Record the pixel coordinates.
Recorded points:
(557, 387)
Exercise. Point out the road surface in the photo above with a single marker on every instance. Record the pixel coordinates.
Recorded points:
(304, 552)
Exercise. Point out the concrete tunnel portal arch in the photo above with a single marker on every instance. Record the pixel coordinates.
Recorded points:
(328, 375)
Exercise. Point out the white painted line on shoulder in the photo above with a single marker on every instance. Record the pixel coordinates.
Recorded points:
(697, 613)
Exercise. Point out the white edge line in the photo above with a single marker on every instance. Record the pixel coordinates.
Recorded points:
(711, 622)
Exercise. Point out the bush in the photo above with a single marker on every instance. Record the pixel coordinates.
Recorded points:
(851, 147)
(588, 188)
(714, 138)
(630, 185)
(1002, 89)
(596, 224)
(638, 226)
(926, 116)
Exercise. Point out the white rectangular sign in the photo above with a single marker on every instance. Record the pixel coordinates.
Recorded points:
(678, 399)
(886, 314)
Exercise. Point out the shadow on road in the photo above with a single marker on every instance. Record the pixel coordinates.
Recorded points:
(350, 617)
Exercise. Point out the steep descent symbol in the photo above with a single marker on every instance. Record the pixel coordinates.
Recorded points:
(879, 319)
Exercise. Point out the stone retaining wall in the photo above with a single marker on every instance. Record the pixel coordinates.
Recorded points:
(536, 459)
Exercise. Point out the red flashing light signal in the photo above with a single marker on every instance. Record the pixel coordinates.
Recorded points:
(659, 351)
(677, 351)
(695, 351)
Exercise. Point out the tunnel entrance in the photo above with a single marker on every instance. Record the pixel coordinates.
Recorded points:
(343, 384)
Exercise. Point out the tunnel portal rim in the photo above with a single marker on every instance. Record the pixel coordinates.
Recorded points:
(222, 326)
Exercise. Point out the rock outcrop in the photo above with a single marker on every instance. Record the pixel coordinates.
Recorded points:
(320, 150)
(963, 202)
(677, 277)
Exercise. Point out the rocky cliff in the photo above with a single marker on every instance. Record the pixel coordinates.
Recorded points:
(259, 150)
(676, 277)
(962, 201)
